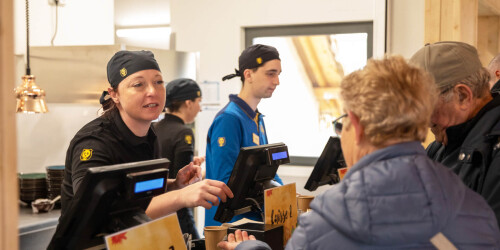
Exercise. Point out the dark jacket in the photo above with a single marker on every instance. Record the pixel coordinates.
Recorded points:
(473, 153)
(396, 198)
(495, 90)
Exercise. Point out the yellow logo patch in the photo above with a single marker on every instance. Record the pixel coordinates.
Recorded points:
(86, 154)
(256, 139)
(123, 72)
(188, 139)
(198, 93)
(259, 60)
(221, 141)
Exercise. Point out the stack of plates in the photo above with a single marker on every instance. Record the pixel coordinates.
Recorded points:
(55, 176)
(32, 186)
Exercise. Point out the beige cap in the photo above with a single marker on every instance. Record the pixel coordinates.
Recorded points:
(448, 62)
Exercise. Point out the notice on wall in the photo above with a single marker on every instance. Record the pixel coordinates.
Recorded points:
(162, 233)
(281, 208)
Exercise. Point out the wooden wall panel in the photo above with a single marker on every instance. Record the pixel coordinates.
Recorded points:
(488, 38)
(459, 21)
(8, 153)
(451, 20)
(492, 6)
(432, 21)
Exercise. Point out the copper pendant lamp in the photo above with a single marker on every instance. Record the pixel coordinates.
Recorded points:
(30, 97)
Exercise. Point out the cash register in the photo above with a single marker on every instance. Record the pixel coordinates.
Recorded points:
(110, 199)
(253, 172)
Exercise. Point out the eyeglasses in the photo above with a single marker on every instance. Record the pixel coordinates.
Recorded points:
(337, 124)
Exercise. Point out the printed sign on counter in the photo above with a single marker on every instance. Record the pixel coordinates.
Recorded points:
(342, 172)
(162, 233)
(281, 208)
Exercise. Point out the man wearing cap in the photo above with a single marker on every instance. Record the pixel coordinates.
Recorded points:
(183, 97)
(239, 123)
(466, 118)
(494, 68)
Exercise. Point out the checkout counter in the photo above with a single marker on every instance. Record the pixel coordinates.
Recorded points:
(36, 230)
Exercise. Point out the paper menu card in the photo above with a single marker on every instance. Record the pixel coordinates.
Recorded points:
(162, 233)
(281, 208)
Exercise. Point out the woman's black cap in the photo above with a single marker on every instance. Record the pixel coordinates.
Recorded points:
(180, 90)
(254, 57)
(125, 63)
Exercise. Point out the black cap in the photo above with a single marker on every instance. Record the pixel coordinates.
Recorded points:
(125, 63)
(254, 57)
(181, 89)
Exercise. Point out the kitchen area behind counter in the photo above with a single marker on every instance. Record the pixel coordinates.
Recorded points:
(42, 141)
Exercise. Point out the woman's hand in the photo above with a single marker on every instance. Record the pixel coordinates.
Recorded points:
(204, 192)
(187, 175)
(233, 240)
(198, 160)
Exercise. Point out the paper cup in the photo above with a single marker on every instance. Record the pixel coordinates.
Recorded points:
(214, 235)
(303, 202)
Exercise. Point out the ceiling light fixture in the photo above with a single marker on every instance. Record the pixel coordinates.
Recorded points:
(30, 97)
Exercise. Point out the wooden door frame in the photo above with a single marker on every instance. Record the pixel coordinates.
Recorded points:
(9, 208)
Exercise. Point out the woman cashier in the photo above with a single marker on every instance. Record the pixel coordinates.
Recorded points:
(123, 133)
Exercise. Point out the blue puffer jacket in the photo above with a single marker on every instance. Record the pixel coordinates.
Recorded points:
(396, 198)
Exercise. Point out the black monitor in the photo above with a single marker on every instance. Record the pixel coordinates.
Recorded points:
(110, 199)
(253, 172)
(325, 170)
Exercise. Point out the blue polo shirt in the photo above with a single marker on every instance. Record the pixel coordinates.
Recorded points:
(234, 127)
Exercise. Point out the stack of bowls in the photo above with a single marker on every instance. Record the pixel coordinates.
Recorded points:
(55, 176)
(32, 186)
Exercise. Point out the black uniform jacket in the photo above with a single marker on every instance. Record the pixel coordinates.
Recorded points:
(176, 142)
(473, 153)
(103, 141)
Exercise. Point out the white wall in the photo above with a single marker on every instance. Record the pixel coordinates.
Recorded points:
(405, 26)
(44, 138)
(81, 22)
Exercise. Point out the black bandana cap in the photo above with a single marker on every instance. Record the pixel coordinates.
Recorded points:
(180, 90)
(125, 63)
(254, 57)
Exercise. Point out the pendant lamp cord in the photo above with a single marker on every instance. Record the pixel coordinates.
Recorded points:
(55, 31)
(28, 70)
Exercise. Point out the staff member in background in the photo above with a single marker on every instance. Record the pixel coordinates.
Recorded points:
(183, 97)
(393, 196)
(239, 123)
(124, 134)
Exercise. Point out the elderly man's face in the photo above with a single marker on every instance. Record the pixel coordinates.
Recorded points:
(445, 115)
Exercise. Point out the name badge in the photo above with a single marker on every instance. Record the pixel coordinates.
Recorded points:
(256, 139)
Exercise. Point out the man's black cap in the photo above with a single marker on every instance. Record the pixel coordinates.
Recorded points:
(125, 63)
(180, 90)
(254, 57)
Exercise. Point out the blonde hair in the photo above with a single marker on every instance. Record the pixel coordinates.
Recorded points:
(393, 100)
